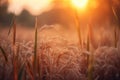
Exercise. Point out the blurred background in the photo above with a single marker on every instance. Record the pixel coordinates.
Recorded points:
(62, 14)
(99, 14)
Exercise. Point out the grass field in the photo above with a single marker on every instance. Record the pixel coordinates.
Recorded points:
(56, 55)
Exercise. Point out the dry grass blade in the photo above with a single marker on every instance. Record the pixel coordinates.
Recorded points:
(4, 54)
(35, 44)
(35, 50)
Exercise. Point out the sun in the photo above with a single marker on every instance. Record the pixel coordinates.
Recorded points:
(81, 4)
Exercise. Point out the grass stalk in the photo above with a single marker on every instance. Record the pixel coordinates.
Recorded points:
(78, 27)
(115, 37)
(35, 50)
(41, 64)
(115, 29)
(91, 56)
(88, 38)
(39, 67)
(14, 52)
(14, 34)
(90, 67)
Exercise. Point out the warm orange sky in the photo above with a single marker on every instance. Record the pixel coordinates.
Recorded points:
(61, 13)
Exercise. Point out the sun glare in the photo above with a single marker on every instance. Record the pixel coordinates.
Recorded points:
(81, 4)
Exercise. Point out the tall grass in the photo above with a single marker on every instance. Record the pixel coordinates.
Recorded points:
(35, 50)
(90, 67)
(90, 57)
(115, 28)
(88, 38)
(78, 27)
(22, 70)
(16, 75)
(14, 51)
(14, 47)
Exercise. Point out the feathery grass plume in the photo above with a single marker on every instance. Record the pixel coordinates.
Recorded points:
(4, 54)
(107, 64)
(35, 50)
(115, 29)
(78, 27)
